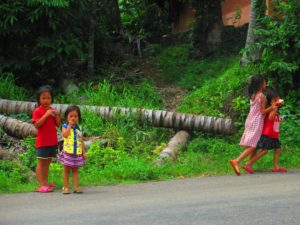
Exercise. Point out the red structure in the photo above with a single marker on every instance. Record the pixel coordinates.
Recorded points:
(234, 13)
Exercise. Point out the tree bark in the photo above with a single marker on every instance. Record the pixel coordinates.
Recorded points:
(158, 118)
(252, 54)
(177, 143)
(16, 128)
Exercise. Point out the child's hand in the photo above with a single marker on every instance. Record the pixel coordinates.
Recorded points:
(71, 122)
(54, 112)
(48, 113)
(280, 102)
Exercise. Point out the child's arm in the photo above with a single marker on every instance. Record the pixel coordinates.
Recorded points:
(42, 120)
(272, 114)
(83, 149)
(66, 131)
(265, 110)
(57, 118)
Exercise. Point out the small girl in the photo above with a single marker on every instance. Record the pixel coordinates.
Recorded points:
(270, 134)
(45, 119)
(73, 154)
(255, 120)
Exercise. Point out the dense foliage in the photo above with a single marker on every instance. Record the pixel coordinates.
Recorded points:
(279, 39)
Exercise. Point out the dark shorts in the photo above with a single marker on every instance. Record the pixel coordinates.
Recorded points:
(266, 142)
(46, 152)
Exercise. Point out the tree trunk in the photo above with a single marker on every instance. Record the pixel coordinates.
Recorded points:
(208, 28)
(158, 118)
(178, 142)
(16, 128)
(252, 54)
(91, 40)
(117, 16)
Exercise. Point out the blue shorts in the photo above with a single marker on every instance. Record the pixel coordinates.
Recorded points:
(46, 152)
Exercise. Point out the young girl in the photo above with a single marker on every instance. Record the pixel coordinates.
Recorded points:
(255, 120)
(73, 153)
(270, 134)
(45, 119)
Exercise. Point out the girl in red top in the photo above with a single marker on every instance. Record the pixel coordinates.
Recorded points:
(45, 119)
(270, 134)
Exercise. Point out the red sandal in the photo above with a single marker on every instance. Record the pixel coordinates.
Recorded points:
(279, 170)
(248, 169)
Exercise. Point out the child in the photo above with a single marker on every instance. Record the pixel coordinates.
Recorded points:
(270, 134)
(45, 119)
(73, 153)
(255, 119)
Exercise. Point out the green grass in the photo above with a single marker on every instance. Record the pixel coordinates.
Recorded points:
(176, 66)
(141, 95)
(9, 89)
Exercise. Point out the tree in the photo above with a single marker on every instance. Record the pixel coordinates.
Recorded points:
(257, 12)
(208, 28)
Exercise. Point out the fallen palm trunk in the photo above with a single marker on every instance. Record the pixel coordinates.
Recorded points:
(177, 143)
(16, 128)
(158, 118)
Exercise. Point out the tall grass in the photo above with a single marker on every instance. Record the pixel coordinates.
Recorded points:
(9, 89)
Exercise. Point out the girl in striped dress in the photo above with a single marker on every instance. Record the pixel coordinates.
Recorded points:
(255, 120)
(73, 154)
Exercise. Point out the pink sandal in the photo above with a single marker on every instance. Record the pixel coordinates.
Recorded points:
(44, 189)
(279, 170)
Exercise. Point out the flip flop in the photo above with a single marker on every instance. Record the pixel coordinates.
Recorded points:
(78, 191)
(44, 189)
(248, 170)
(279, 170)
(235, 167)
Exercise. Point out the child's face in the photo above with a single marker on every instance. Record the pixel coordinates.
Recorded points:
(73, 117)
(45, 99)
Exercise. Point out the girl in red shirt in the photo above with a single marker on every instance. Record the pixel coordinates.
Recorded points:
(45, 119)
(270, 135)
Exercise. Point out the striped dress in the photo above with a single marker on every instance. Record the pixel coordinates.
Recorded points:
(254, 124)
(73, 142)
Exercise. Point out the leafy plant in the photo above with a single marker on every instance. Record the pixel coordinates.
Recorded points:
(9, 89)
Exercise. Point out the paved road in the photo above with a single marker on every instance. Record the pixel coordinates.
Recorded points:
(267, 199)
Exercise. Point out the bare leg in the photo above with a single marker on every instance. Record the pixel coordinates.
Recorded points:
(47, 166)
(244, 154)
(256, 157)
(235, 162)
(276, 158)
(75, 177)
(39, 171)
(253, 154)
(66, 176)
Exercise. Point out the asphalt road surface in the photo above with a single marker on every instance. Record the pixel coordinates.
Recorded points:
(266, 198)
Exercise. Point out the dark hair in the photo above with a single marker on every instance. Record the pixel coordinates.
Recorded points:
(72, 108)
(255, 84)
(42, 89)
(271, 93)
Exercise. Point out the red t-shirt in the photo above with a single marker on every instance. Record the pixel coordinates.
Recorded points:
(46, 134)
(271, 127)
